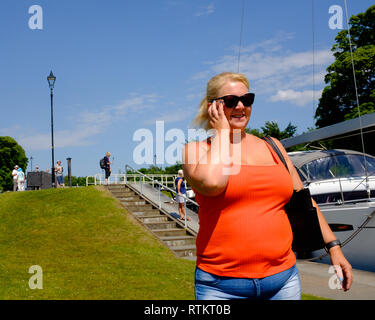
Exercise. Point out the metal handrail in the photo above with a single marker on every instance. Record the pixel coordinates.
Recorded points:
(99, 179)
(119, 178)
(160, 189)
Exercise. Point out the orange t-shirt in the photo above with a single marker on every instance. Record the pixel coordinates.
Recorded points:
(244, 232)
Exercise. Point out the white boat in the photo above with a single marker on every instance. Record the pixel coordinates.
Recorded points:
(336, 176)
(342, 182)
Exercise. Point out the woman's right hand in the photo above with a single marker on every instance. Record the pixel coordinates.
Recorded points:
(217, 117)
(203, 163)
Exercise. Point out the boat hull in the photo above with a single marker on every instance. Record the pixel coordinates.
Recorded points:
(360, 251)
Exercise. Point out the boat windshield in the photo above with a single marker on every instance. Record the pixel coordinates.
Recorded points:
(337, 166)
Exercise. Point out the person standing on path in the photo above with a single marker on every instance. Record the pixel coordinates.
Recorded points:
(59, 174)
(15, 178)
(21, 179)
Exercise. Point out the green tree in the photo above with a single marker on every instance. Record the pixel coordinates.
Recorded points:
(158, 170)
(338, 101)
(173, 169)
(271, 128)
(11, 153)
(152, 170)
(76, 181)
(255, 132)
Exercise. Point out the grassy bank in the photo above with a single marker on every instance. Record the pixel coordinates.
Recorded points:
(88, 248)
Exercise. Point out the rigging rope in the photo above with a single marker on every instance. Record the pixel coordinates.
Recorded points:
(241, 31)
(356, 95)
(313, 48)
(350, 238)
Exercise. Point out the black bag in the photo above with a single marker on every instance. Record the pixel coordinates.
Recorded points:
(303, 218)
(102, 163)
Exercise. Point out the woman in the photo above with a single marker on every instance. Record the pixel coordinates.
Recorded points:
(181, 191)
(244, 241)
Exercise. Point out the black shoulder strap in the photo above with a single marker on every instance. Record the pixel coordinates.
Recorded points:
(276, 149)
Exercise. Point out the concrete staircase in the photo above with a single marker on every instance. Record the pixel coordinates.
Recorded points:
(164, 226)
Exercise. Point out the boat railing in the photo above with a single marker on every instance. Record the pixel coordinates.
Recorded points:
(339, 202)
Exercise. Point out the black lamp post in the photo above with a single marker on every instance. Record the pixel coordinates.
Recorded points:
(51, 81)
(69, 171)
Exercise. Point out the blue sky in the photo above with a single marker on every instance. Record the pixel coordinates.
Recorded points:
(122, 65)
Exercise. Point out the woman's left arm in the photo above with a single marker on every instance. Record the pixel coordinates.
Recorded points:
(335, 253)
(337, 257)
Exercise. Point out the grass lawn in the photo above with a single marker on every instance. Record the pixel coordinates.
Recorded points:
(88, 247)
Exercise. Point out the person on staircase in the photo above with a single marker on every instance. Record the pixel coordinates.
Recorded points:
(180, 192)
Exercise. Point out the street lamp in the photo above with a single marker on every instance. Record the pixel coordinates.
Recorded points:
(51, 81)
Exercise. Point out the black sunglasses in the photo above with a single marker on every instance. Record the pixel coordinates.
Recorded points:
(231, 100)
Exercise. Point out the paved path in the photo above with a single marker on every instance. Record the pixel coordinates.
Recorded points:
(315, 278)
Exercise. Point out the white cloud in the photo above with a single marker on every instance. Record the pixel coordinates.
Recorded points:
(201, 75)
(266, 69)
(270, 45)
(176, 115)
(206, 10)
(273, 70)
(300, 98)
(86, 125)
(63, 138)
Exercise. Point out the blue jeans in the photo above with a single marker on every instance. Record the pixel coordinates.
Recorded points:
(60, 179)
(285, 285)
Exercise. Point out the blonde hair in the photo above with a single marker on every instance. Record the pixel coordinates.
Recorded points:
(180, 173)
(213, 87)
(107, 154)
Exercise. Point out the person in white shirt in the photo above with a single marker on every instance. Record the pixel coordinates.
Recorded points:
(15, 178)
(59, 174)
(21, 180)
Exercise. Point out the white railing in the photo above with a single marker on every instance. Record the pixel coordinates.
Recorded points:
(99, 179)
